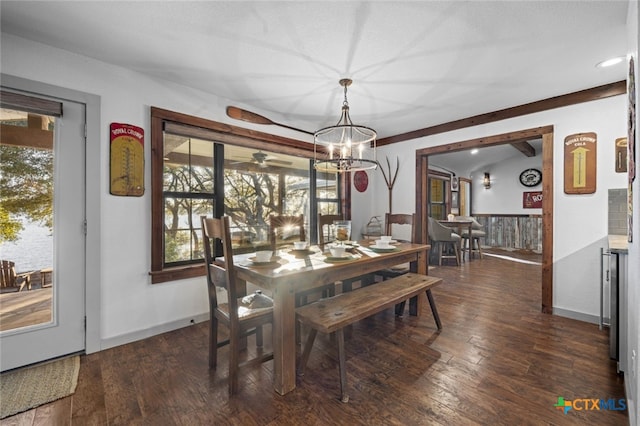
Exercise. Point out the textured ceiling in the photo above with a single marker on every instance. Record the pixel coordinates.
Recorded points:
(414, 64)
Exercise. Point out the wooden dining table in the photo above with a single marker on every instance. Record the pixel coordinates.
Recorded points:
(296, 271)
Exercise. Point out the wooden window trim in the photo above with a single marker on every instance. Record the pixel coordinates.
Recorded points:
(195, 126)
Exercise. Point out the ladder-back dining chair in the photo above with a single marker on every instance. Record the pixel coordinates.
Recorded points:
(292, 227)
(241, 318)
(325, 221)
(407, 222)
(284, 228)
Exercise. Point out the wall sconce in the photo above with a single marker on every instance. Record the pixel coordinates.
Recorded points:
(487, 181)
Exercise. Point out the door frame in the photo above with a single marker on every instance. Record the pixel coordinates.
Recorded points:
(544, 132)
(93, 194)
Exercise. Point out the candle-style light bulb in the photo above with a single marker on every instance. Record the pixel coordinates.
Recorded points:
(330, 151)
(360, 149)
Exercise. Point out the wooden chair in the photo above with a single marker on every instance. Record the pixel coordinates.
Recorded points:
(280, 225)
(239, 317)
(444, 237)
(405, 220)
(10, 281)
(471, 243)
(295, 224)
(326, 220)
(408, 220)
(391, 219)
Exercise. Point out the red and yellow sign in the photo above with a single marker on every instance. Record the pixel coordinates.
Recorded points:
(127, 160)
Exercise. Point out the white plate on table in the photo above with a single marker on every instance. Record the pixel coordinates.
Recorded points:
(385, 249)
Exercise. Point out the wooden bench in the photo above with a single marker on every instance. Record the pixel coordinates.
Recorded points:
(334, 313)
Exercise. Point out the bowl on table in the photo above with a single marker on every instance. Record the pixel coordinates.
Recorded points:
(382, 244)
(299, 245)
(264, 256)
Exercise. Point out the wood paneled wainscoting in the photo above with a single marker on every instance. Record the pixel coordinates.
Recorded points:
(512, 232)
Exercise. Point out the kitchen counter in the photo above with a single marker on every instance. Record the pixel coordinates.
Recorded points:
(618, 244)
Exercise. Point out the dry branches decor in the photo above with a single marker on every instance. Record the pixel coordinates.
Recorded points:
(390, 181)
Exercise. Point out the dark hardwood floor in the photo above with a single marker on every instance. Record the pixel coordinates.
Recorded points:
(497, 361)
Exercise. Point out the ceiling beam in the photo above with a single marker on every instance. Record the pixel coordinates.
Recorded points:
(595, 93)
(525, 148)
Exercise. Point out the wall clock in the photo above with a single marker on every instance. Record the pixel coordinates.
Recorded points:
(361, 180)
(531, 177)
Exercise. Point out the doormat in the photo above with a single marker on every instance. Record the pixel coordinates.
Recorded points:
(30, 387)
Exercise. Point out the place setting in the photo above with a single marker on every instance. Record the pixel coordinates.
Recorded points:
(264, 258)
(338, 253)
(301, 249)
(384, 245)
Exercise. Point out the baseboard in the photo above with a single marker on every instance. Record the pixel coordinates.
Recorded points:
(593, 319)
(631, 407)
(134, 336)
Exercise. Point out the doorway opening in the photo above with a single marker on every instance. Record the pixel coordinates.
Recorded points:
(546, 133)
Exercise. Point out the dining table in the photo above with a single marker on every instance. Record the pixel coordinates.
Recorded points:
(293, 271)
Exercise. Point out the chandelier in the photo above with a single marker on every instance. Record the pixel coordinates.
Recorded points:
(345, 147)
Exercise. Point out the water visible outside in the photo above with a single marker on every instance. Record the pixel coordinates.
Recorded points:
(33, 251)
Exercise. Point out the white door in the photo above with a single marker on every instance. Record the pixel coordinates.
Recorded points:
(64, 332)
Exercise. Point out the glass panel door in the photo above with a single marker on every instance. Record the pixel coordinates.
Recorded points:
(26, 215)
(42, 225)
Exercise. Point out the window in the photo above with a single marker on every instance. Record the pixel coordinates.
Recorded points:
(327, 193)
(188, 192)
(439, 195)
(201, 167)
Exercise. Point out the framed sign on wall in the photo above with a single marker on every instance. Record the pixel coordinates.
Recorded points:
(127, 160)
(532, 200)
(580, 163)
(621, 155)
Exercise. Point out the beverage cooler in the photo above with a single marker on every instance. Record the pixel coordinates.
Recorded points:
(613, 303)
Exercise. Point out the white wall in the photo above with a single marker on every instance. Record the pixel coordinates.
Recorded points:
(505, 194)
(580, 221)
(130, 306)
